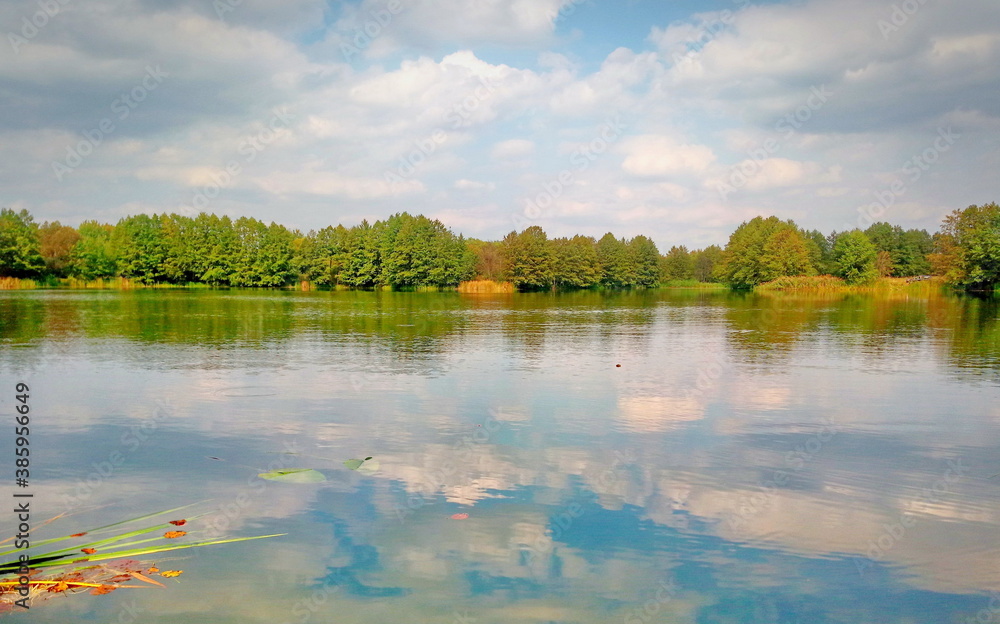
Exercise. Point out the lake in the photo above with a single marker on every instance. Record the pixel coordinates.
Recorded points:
(665, 456)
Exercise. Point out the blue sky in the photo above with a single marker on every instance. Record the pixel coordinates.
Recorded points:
(678, 120)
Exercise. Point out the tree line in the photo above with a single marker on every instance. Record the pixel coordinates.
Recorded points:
(406, 251)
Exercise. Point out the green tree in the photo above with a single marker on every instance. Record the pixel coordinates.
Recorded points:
(20, 248)
(705, 262)
(179, 262)
(907, 249)
(678, 264)
(968, 247)
(94, 255)
(820, 249)
(856, 257)
(263, 254)
(362, 266)
(212, 245)
(575, 262)
(527, 259)
(140, 248)
(645, 258)
(417, 251)
(617, 265)
(761, 250)
(912, 257)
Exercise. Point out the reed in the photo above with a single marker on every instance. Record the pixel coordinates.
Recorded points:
(829, 283)
(691, 283)
(70, 564)
(16, 283)
(486, 287)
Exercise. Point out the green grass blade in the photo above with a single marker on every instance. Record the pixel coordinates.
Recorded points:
(139, 552)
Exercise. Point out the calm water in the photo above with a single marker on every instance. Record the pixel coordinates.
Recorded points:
(754, 458)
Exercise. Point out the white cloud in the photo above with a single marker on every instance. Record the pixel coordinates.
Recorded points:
(658, 156)
(472, 185)
(513, 149)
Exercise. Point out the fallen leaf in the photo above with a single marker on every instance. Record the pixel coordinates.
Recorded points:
(78, 534)
(143, 577)
(171, 573)
(59, 587)
(153, 570)
(103, 589)
(173, 534)
(460, 516)
(88, 551)
(178, 522)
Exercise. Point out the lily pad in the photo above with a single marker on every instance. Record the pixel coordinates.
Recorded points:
(365, 466)
(295, 475)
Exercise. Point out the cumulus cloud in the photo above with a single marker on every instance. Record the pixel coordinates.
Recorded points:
(513, 149)
(449, 100)
(657, 156)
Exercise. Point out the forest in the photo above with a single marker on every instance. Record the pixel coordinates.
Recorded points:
(408, 252)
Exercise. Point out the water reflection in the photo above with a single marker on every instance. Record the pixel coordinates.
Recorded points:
(755, 458)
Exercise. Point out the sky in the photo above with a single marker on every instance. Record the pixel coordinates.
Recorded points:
(674, 119)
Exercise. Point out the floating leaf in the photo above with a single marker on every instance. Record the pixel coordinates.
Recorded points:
(178, 522)
(153, 570)
(173, 534)
(78, 534)
(146, 579)
(460, 516)
(365, 466)
(88, 551)
(171, 573)
(297, 475)
(103, 589)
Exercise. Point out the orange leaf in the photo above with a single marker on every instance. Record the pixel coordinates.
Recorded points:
(59, 587)
(78, 534)
(171, 573)
(178, 522)
(103, 589)
(145, 578)
(173, 534)
(88, 551)
(153, 570)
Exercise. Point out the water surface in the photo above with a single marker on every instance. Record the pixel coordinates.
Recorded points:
(792, 459)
